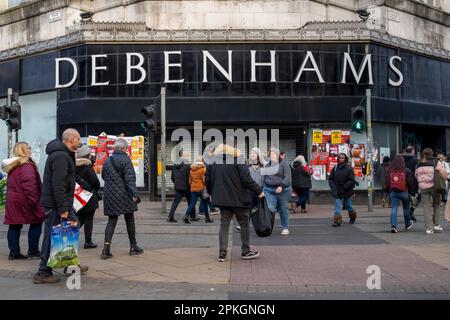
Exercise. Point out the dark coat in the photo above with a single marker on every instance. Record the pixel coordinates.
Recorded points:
(23, 193)
(411, 163)
(88, 180)
(59, 177)
(180, 176)
(300, 178)
(381, 173)
(342, 181)
(228, 179)
(120, 186)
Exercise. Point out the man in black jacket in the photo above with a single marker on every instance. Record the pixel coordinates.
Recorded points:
(180, 179)
(411, 163)
(57, 195)
(227, 181)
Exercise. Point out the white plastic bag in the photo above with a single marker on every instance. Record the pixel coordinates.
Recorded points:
(81, 198)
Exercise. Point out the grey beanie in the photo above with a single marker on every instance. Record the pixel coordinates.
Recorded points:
(83, 151)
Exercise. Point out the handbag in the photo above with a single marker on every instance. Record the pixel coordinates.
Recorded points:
(439, 182)
(262, 219)
(205, 194)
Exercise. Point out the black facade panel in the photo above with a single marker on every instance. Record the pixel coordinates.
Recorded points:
(9, 77)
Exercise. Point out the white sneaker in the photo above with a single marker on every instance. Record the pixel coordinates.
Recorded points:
(429, 231)
(438, 228)
(285, 232)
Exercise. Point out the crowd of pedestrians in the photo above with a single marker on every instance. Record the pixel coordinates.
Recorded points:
(223, 180)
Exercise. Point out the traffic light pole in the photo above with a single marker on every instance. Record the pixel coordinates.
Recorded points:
(369, 149)
(163, 149)
(9, 104)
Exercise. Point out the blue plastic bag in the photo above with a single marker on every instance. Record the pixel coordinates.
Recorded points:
(64, 246)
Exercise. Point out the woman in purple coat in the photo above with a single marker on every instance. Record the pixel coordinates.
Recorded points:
(22, 201)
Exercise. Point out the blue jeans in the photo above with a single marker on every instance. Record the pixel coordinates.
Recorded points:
(303, 196)
(34, 233)
(280, 202)
(338, 205)
(395, 198)
(203, 204)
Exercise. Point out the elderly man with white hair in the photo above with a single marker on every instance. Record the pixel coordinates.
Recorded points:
(120, 196)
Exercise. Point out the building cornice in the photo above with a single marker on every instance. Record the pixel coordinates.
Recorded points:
(125, 32)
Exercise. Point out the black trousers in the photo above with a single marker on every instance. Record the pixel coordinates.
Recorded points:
(86, 219)
(131, 228)
(179, 195)
(34, 233)
(52, 218)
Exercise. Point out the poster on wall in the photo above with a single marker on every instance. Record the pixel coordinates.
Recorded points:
(384, 152)
(358, 157)
(317, 136)
(319, 172)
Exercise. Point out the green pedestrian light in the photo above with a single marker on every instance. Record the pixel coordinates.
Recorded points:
(358, 119)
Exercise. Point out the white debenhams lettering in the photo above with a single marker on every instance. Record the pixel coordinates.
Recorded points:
(255, 64)
(136, 67)
(396, 70)
(75, 73)
(367, 61)
(95, 68)
(309, 56)
(168, 65)
(208, 56)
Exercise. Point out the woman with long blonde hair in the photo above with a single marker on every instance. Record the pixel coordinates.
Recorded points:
(22, 201)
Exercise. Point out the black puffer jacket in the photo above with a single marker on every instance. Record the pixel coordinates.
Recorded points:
(228, 179)
(342, 181)
(180, 176)
(300, 178)
(59, 177)
(87, 179)
(120, 185)
(411, 163)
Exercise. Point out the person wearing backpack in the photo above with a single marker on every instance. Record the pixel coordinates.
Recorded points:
(400, 183)
(429, 171)
(86, 177)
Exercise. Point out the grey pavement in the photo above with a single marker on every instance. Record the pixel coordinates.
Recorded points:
(315, 261)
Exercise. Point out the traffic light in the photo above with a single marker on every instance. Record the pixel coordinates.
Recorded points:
(11, 113)
(358, 119)
(150, 114)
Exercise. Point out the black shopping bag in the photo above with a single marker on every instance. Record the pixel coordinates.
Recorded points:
(262, 219)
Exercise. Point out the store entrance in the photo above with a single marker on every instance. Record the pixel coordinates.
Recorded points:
(422, 137)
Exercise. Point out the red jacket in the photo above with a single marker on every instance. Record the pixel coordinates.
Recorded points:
(23, 194)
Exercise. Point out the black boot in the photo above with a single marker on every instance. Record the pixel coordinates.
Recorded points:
(90, 245)
(135, 249)
(186, 220)
(208, 219)
(106, 254)
(352, 215)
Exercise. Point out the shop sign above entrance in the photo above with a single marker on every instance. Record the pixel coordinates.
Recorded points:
(173, 62)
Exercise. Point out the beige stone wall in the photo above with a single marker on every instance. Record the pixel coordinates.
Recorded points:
(30, 23)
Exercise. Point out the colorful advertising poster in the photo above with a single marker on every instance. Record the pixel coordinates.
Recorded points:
(336, 137)
(334, 150)
(358, 157)
(326, 136)
(323, 158)
(333, 161)
(101, 153)
(314, 158)
(319, 173)
(317, 136)
(345, 138)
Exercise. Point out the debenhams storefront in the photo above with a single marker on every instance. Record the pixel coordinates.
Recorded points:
(302, 83)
